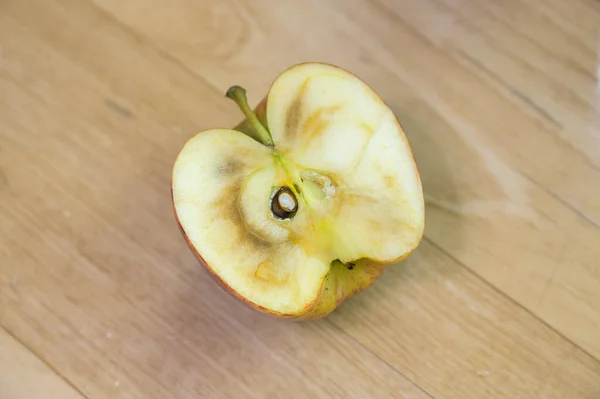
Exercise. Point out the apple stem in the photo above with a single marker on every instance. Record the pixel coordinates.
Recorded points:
(238, 95)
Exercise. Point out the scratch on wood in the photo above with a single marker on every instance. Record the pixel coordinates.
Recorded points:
(118, 108)
(3, 180)
(539, 110)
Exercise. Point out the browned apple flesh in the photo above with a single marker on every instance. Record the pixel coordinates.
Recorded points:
(348, 198)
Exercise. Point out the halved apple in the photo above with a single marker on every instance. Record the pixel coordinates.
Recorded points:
(307, 200)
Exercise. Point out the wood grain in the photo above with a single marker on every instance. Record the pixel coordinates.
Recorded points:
(491, 122)
(500, 104)
(23, 375)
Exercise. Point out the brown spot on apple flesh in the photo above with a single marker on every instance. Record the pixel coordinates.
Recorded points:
(292, 120)
(294, 113)
(229, 209)
(368, 128)
(267, 272)
(229, 168)
(390, 182)
(317, 122)
(347, 265)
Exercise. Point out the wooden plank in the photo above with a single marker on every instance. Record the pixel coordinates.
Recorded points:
(95, 275)
(23, 375)
(533, 61)
(458, 338)
(478, 143)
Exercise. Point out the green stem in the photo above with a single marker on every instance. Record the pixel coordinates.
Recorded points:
(238, 95)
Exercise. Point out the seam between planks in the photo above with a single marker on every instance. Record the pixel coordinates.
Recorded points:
(44, 362)
(511, 300)
(158, 49)
(378, 357)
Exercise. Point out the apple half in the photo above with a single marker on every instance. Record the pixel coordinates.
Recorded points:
(307, 200)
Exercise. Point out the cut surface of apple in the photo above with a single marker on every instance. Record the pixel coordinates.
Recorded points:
(308, 200)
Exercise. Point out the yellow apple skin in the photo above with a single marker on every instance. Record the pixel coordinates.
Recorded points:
(339, 284)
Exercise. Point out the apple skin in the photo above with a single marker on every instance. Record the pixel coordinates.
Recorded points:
(338, 285)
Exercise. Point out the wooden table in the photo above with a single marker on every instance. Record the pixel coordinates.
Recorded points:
(101, 298)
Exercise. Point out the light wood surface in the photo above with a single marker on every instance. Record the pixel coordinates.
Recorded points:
(23, 375)
(101, 298)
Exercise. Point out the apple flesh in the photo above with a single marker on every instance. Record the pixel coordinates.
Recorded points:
(305, 202)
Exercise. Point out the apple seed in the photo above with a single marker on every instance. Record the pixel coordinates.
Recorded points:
(284, 204)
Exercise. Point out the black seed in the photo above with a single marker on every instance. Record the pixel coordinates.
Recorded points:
(276, 208)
